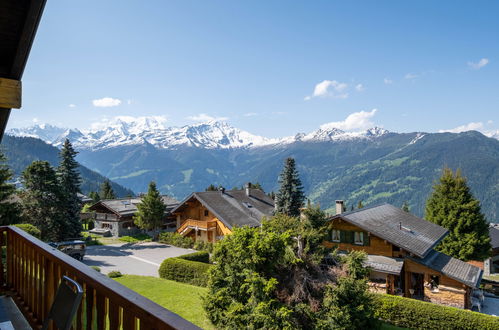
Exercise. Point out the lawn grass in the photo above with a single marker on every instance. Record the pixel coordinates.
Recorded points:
(180, 298)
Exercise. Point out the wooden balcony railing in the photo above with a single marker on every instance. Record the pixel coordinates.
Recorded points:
(206, 225)
(32, 276)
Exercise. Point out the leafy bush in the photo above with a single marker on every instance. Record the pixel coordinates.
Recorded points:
(180, 270)
(95, 268)
(135, 238)
(203, 246)
(200, 256)
(30, 229)
(176, 239)
(416, 314)
(114, 274)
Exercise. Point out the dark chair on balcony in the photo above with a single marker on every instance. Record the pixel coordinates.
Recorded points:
(65, 305)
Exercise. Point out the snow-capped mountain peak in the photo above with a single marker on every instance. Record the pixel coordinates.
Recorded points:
(123, 131)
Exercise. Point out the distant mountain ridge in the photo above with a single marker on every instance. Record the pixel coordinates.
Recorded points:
(374, 166)
(124, 131)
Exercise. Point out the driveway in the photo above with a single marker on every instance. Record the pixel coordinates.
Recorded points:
(134, 259)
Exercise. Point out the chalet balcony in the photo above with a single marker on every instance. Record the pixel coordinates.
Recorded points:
(197, 224)
(31, 270)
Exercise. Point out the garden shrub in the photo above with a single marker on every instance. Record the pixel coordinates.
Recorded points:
(176, 239)
(200, 256)
(30, 229)
(180, 270)
(416, 314)
(114, 274)
(203, 246)
(97, 268)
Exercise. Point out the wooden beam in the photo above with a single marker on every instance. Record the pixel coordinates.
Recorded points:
(10, 93)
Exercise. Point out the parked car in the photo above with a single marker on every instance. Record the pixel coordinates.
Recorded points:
(75, 249)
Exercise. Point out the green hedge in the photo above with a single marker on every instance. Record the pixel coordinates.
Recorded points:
(180, 270)
(30, 229)
(201, 256)
(416, 314)
(176, 239)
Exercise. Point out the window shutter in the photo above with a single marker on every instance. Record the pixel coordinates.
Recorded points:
(342, 236)
(349, 237)
(330, 235)
(366, 239)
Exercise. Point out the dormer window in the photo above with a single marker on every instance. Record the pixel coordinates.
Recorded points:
(359, 238)
(335, 235)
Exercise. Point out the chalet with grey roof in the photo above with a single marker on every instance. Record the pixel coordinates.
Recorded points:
(114, 217)
(402, 256)
(210, 215)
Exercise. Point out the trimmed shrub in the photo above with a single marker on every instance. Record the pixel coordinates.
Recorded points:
(416, 314)
(30, 229)
(200, 256)
(180, 270)
(203, 246)
(176, 239)
(114, 274)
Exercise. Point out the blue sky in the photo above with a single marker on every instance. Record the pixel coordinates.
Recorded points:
(272, 68)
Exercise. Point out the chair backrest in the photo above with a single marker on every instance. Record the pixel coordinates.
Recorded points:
(66, 303)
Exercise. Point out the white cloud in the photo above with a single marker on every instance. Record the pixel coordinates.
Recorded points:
(128, 102)
(359, 88)
(202, 117)
(331, 88)
(388, 81)
(473, 126)
(355, 121)
(36, 120)
(478, 65)
(490, 122)
(250, 114)
(72, 105)
(411, 76)
(106, 102)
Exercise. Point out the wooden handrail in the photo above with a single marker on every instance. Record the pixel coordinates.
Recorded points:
(34, 271)
(197, 223)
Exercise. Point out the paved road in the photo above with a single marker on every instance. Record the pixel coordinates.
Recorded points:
(135, 259)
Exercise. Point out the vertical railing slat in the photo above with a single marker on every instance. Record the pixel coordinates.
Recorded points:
(114, 316)
(100, 310)
(129, 321)
(89, 301)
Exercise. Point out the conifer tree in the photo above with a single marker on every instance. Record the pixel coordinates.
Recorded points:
(211, 187)
(150, 210)
(452, 206)
(290, 197)
(95, 196)
(9, 208)
(405, 207)
(106, 191)
(41, 201)
(70, 180)
(360, 205)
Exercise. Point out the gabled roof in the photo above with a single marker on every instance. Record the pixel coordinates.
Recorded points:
(494, 235)
(128, 206)
(454, 268)
(233, 207)
(384, 264)
(398, 227)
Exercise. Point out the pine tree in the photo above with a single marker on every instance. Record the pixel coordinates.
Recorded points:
(452, 206)
(150, 210)
(211, 187)
(290, 197)
(42, 200)
(405, 207)
(360, 205)
(9, 208)
(70, 180)
(106, 191)
(95, 196)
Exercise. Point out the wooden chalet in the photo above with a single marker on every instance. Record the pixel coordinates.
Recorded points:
(492, 263)
(401, 255)
(210, 215)
(114, 217)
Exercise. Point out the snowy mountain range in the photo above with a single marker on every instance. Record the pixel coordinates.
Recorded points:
(127, 131)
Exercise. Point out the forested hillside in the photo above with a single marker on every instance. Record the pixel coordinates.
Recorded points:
(22, 151)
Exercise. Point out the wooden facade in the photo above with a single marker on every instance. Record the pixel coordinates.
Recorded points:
(199, 223)
(415, 280)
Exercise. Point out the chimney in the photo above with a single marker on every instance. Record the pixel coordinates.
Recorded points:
(339, 206)
(247, 187)
(222, 190)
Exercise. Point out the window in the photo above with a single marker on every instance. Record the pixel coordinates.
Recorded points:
(335, 235)
(434, 282)
(359, 238)
(206, 213)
